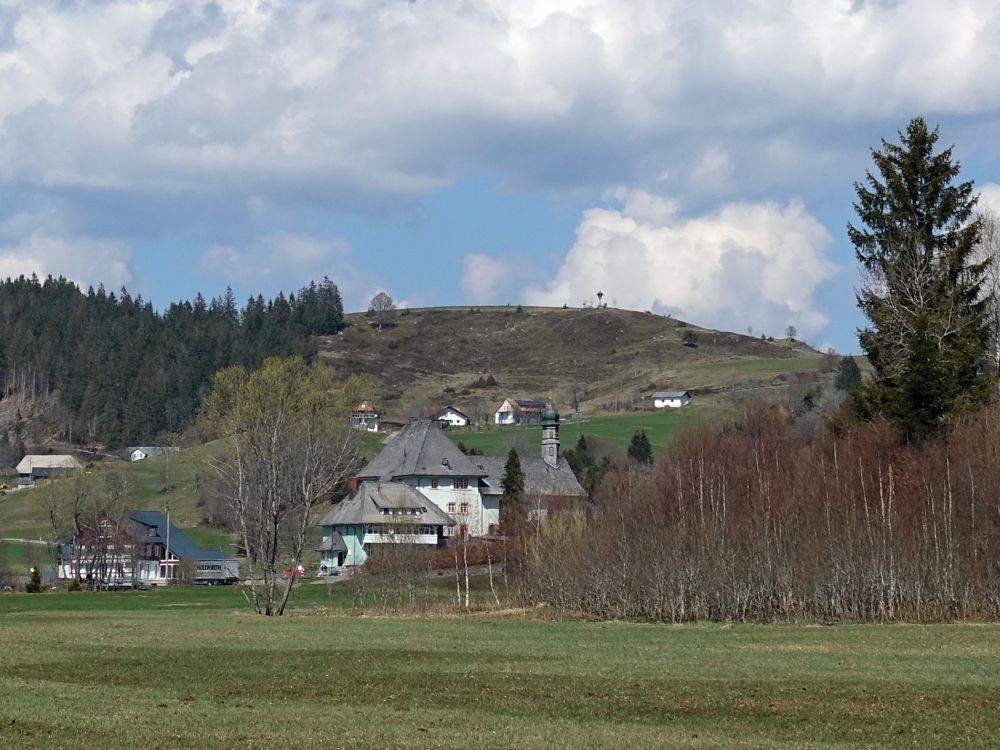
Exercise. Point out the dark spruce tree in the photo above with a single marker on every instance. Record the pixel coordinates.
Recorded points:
(126, 373)
(512, 499)
(848, 375)
(927, 335)
(640, 450)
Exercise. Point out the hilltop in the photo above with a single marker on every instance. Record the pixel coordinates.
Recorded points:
(434, 356)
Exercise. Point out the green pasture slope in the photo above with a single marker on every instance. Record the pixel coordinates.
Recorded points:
(193, 668)
(661, 426)
(176, 479)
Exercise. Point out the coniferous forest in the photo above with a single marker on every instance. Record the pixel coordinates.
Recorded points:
(122, 372)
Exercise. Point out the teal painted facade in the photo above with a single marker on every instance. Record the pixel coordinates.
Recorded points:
(353, 538)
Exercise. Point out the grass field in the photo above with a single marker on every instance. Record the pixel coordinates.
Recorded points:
(661, 427)
(192, 668)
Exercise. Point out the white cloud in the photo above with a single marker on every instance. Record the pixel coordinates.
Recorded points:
(989, 197)
(487, 281)
(87, 261)
(287, 261)
(401, 98)
(756, 264)
(481, 278)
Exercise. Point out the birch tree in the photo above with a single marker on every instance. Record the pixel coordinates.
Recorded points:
(289, 445)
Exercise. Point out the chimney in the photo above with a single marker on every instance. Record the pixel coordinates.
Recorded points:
(352, 484)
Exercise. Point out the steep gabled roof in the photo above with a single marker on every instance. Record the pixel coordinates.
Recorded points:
(540, 479)
(63, 463)
(367, 503)
(420, 449)
(180, 545)
(334, 543)
(448, 408)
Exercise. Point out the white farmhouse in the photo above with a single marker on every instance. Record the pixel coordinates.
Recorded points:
(519, 411)
(451, 417)
(671, 399)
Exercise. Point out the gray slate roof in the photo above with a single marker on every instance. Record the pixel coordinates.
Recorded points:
(672, 394)
(180, 545)
(366, 504)
(334, 543)
(540, 479)
(33, 463)
(420, 449)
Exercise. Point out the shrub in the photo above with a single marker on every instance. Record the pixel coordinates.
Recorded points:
(34, 582)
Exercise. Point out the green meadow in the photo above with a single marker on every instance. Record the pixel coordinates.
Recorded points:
(661, 426)
(192, 668)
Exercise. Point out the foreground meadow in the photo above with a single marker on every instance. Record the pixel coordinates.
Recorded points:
(192, 668)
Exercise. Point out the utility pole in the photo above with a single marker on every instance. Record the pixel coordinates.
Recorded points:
(168, 543)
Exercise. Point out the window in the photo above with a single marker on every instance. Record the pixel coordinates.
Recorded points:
(461, 484)
(434, 483)
(451, 507)
(465, 507)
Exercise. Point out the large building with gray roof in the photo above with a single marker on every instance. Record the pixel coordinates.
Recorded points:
(378, 516)
(421, 480)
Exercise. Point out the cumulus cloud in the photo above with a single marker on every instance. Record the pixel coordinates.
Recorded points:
(287, 261)
(87, 261)
(745, 264)
(402, 98)
(41, 244)
(989, 198)
(488, 281)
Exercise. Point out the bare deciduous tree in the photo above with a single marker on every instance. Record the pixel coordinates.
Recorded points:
(381, 308)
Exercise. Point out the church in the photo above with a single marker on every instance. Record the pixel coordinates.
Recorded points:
(421, 482)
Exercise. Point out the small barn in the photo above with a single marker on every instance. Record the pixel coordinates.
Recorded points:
(33, 469)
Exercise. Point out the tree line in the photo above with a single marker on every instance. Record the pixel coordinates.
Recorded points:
(761, 521)
(124, 372)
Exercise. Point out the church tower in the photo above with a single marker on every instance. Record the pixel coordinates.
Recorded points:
(550, 436)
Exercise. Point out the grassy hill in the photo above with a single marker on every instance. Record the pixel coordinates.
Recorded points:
(179, 480)
(616, 431)
(430, 357)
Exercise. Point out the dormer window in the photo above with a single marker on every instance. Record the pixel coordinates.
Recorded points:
(435, 483)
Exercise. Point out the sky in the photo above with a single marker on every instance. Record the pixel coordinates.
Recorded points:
(692, 159)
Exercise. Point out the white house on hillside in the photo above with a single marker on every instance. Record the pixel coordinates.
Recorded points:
(452, 417)
(365, 417)
(142, 452)
(671, 399)
(519, 411)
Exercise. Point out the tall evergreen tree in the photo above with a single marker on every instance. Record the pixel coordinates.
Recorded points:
(928, 333)
(512, 485)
